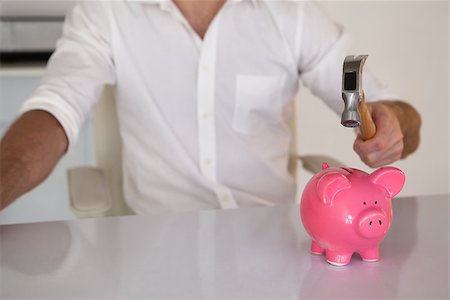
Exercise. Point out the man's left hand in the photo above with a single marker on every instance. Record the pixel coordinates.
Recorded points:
(387, 145)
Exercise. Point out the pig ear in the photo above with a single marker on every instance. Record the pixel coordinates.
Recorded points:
(329, 185)
(392, 179)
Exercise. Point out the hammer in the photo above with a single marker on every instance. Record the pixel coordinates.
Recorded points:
(355, 112)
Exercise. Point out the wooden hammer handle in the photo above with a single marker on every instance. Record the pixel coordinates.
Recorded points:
(367, 128)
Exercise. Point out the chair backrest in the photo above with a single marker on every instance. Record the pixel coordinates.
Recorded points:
(108, 149)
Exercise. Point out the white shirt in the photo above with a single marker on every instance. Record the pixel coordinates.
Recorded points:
(204, 123)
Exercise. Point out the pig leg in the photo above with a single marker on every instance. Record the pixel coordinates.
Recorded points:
(338, 258)
(370, 255)
(316, 249)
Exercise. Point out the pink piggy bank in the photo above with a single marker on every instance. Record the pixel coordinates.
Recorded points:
(346, 210)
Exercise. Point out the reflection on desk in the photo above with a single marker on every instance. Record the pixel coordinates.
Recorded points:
(250, 253)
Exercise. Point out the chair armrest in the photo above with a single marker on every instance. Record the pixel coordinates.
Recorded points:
(89, 194)
(313, 163)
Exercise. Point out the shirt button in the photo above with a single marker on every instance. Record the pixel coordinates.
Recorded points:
(206, 115)
(225, 198)
(205, 68)
(208, 162)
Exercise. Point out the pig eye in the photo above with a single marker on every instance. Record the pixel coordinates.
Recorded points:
(364, 203)
(376, 202)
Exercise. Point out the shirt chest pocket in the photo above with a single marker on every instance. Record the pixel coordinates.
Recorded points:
(258, 103)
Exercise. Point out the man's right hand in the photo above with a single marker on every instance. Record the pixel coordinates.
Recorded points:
(29, 151)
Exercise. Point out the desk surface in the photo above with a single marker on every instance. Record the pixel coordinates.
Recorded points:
(254, 253)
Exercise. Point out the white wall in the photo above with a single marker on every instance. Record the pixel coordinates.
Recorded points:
(407, 43)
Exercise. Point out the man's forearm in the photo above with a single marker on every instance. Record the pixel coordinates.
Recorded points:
(29, 151)
(410, 123)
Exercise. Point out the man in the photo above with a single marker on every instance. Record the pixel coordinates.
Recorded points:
(203, 91)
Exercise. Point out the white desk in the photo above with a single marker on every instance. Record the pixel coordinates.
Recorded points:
(257, 253)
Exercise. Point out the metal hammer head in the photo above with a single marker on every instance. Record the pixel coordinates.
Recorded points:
(352, 91)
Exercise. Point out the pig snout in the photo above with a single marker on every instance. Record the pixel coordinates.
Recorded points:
(373, 223)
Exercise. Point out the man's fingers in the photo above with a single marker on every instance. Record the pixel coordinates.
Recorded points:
(373, 145)
(379, 156)
(382, 158)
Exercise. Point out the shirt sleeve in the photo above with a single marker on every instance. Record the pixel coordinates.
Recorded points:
(78, 69)
(323, 46)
